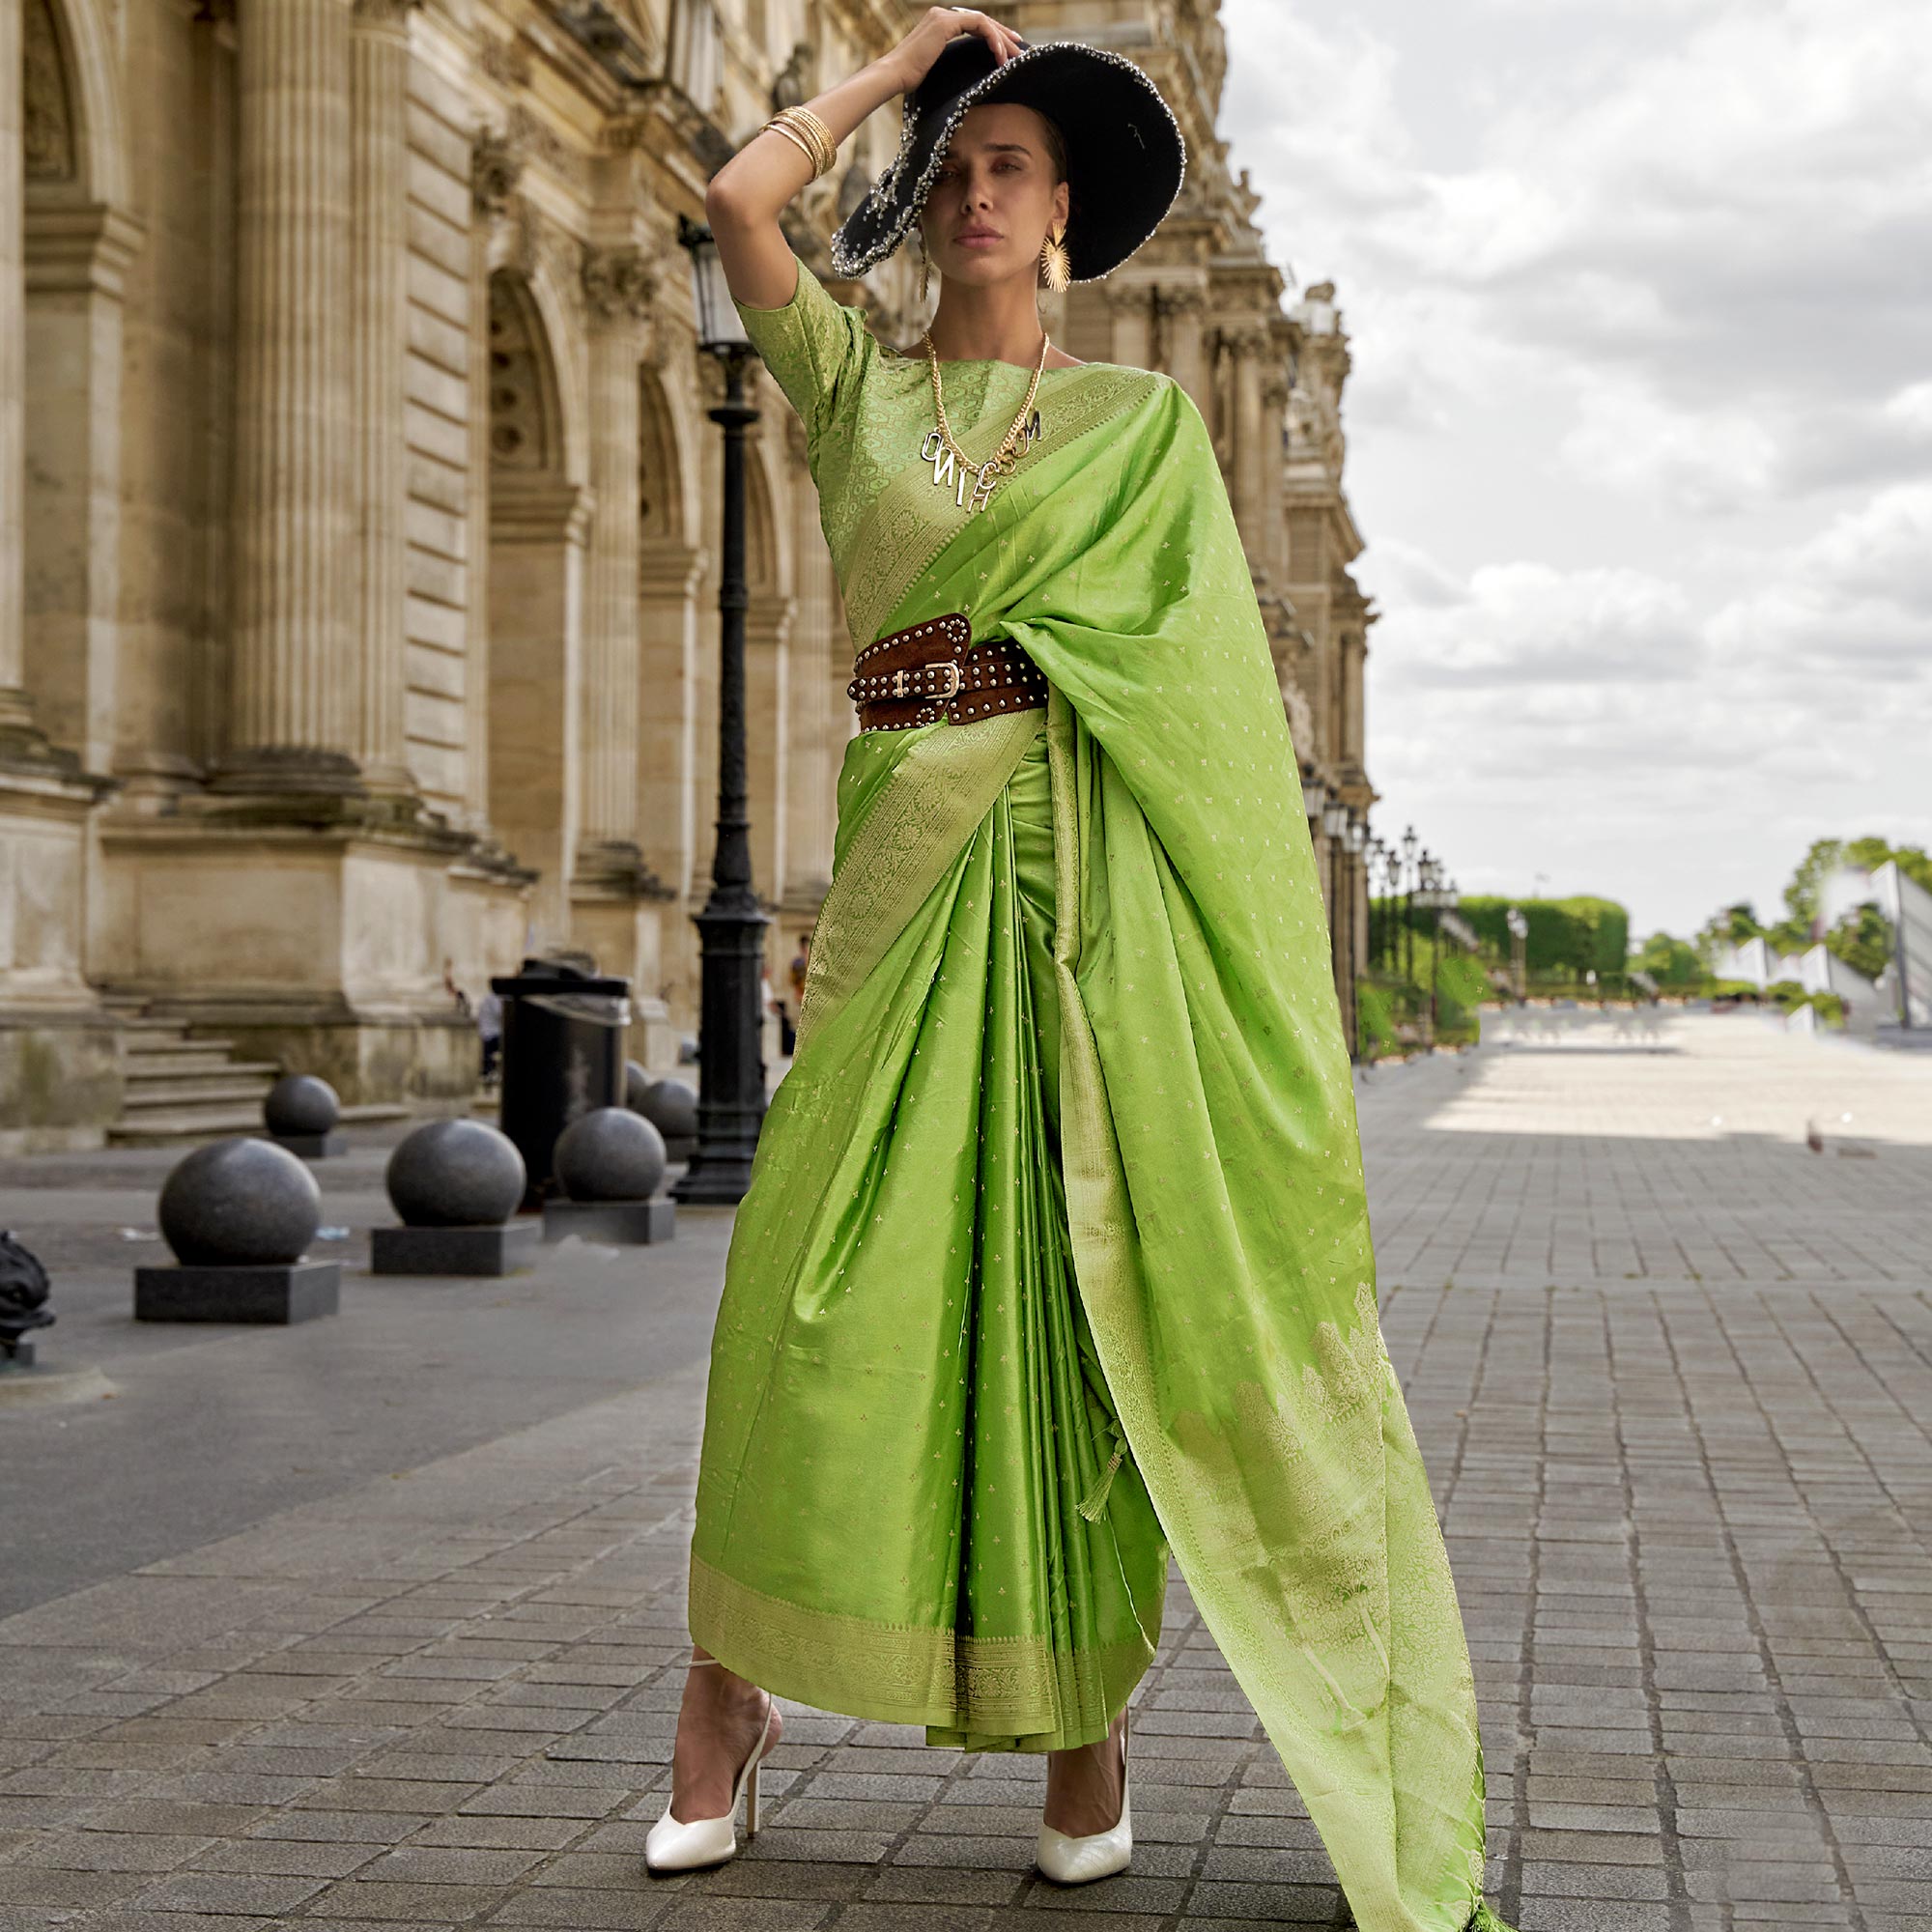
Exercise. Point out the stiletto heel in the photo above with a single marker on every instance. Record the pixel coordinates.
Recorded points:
(1069, 1860)
(674, 1845)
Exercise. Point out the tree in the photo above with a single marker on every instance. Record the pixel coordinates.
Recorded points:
(1862, 940)
(1725, 929)
(1801, 895)
(1670, 961)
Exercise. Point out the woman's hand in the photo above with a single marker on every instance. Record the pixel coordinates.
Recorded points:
(749, 193)
(914, 56)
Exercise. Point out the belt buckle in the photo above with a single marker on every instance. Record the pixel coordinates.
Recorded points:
(945, 697)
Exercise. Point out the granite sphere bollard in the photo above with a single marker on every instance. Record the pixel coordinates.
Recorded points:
(455, 1174)
(455, 1183)
(670, 1107)
(302, 1113)
(611, 1154)
(636, 1084)
(610, 1162)
(238, 1214)
(240, 1203)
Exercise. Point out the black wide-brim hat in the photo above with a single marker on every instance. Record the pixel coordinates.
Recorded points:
(1124, 155)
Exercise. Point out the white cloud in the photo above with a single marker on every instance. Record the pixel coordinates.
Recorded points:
(1524, 624)
(1853, 604)
(1629, 437)
(1641, 418)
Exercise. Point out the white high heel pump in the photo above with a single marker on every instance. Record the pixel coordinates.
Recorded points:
(1071, 1860)
(674, 1846)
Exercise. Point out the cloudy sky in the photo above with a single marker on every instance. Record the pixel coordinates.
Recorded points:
(1641, 418)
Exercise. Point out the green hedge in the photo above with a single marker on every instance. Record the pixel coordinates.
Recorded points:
(1567, 937)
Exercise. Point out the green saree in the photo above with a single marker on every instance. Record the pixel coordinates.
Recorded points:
(1056, 1253)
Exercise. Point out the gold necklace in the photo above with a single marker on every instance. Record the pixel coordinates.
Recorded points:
(952, 464)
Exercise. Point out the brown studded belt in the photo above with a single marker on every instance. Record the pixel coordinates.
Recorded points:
(934, 671)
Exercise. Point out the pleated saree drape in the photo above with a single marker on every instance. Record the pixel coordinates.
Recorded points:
(1056, 1254)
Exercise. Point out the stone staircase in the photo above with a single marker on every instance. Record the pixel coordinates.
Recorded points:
(180, 1089)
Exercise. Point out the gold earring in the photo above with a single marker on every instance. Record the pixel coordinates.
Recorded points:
(924, 267)
(1054, 266)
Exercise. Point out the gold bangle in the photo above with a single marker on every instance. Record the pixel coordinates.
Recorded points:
(823, 134)
(798, 141)
(814, 137)
(819, 134)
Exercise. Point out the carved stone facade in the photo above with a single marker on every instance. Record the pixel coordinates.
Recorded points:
(360, 514)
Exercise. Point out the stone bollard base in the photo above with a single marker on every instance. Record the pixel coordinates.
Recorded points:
(311, 1146)
(293, 1292)
(626, 1223)
(452, 1250)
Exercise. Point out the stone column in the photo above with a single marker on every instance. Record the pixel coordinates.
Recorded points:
(1179, 308)
(537, 529)
(617, 286)
(78, 255)
(1274, 461)
(379, 162)
(1127, 304)
(13, 710)
(292, 712)
(1250, 344)
(1355, 653)
(669, 673)
(495, 167)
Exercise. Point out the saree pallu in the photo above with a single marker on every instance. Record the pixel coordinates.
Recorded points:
(1071, 1194)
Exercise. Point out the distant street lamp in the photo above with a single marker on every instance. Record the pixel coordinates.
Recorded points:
(731, 927)
(1405, 887)
(1519, 931)
(1439, 897)
(1372, 867)
(1354, 841)
(1335, 823)
(1313, 802)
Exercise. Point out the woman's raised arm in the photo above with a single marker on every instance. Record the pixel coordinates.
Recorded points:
(748, 193)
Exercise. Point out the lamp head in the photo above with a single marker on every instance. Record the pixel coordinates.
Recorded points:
(721, 331)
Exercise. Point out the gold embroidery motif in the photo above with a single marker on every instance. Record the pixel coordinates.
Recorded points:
(1018, 1687)
(909, 523)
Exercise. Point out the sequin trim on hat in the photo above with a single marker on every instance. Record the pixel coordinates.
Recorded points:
(849, 262)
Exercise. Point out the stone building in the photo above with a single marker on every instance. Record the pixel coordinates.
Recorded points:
(359, 508)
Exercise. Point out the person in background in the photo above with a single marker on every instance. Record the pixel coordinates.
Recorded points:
(489, 1030)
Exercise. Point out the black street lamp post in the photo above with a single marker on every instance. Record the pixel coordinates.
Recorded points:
(1432, 904)
(1335, 824)
(1406, 950)
(1372, 853)
(1355, 842)
(731, 927)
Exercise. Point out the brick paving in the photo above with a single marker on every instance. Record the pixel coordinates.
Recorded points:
(1673, 1371)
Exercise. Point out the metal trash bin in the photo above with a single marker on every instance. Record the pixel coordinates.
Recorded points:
(563, 1054)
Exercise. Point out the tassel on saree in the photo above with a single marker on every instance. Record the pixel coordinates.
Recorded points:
(1093, 1504)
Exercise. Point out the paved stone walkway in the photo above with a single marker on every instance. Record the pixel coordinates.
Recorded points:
(1673, 1377)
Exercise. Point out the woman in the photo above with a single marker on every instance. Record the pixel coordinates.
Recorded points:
(1054, 1255)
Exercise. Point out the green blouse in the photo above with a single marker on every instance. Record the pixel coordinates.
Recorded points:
(867, 409)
